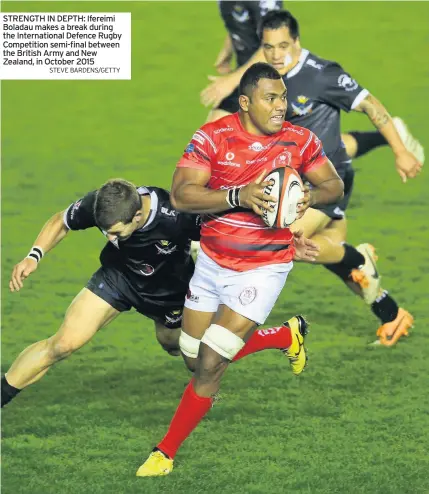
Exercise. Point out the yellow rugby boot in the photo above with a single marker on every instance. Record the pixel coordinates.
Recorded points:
(156, 465)
(296, 353)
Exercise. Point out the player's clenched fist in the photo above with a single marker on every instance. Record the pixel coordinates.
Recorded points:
(252, 196)
(21, 271)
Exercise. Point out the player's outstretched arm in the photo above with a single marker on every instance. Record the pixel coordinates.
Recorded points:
(406, 164)
(327, 187)
(224, 58)
(190, 194)
(221, 87)
(51, 234)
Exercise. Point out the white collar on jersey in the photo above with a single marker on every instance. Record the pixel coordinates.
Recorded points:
(153, 205)
(298, 66)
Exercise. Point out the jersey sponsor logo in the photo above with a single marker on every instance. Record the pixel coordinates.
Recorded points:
(147, 270)
(302, 106)
(165, 247)
(347, 82)
(193, 298)
(257, 160)
(198, 138)
(240, 14)
(283, 159)
(314, 64)
(296, 131)
(223, 129)
(168, 212)
(190, 148)
(248, 295)
(229, 156)
(257, 146)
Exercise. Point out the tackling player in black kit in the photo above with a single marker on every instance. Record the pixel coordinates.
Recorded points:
(146, 265)
(242, 20)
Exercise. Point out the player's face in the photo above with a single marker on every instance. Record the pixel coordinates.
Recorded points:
(266, 108)
(121, 232)
(280, 49)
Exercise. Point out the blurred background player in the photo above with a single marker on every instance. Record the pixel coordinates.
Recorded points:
(317, 92)
(242, 21)
(243, 264)
(145, 265)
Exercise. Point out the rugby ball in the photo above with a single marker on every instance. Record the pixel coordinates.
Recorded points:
(288, 189)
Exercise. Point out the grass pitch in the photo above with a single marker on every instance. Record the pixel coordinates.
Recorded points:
(356, 421)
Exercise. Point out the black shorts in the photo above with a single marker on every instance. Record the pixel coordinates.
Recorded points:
(343, 165)
(117, 290)
(230, 103)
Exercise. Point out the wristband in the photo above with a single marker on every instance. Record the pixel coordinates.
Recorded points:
(233, 197)
(36, 253)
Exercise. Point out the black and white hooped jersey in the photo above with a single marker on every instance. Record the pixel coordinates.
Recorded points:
(242, 21)
(317, 91)
(160, 248)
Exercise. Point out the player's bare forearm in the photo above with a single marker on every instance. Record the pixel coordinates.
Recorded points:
(327, 186)
(226, 50)
(195, 198)
(328, 192)
(52, 232)
(381, 119)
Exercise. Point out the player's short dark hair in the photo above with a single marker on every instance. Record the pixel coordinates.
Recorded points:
(249, 80)
(116, 201)
(277, 19)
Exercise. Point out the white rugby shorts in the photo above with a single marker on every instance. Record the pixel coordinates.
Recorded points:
(251, 293)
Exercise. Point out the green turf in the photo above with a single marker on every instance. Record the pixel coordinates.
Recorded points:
(356, 422)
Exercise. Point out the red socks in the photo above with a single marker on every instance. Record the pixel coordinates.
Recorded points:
(192, 408)
(279, 337)
(189, 414)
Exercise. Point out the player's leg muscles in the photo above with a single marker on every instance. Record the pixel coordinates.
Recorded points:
(168, 338)
(85, 315)
(194, 325)
(311, 223)
(221, 342)
(314, 224)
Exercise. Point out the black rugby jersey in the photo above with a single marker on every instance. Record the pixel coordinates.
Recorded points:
(242, 20)
(317, 91)
(159, 250)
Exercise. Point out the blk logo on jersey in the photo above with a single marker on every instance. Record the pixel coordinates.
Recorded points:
(168, 212)
(302, 106)
(347, 82)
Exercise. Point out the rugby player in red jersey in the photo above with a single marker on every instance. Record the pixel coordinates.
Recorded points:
(243, 264)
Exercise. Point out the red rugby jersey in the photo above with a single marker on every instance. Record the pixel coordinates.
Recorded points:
(239, 239)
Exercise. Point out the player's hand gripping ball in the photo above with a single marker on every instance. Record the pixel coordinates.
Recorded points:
(286, 185)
